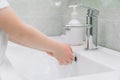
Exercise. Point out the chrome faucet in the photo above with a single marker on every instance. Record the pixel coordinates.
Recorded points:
(91, 32)
(91, 27)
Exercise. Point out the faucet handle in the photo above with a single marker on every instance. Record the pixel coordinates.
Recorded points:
(92, 12)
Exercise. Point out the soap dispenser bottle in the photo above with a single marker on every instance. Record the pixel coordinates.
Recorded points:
(74, 32)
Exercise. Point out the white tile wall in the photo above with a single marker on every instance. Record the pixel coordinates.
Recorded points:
(109, 28)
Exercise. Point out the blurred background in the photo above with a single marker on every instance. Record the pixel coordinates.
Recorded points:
(50, 17)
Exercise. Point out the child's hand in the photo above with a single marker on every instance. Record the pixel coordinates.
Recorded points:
(63, 53)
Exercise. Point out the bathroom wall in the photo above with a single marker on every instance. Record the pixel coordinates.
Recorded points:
(109, 24)
(109, 21)
(43, 14)
(50, 19)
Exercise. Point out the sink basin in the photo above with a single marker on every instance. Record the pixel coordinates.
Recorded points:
(36, 65)
(83, 66)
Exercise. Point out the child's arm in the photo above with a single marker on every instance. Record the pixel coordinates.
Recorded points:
(20, 33)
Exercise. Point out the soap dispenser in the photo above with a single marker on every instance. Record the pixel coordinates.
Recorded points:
(73, 30)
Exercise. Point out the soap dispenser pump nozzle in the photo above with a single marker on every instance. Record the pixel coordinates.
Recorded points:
(74, 13)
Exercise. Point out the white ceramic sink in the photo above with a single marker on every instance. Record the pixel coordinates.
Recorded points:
(89, 68)
(30, 64)
(82, 67)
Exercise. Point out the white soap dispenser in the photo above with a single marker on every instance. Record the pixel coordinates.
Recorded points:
(74, 35)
